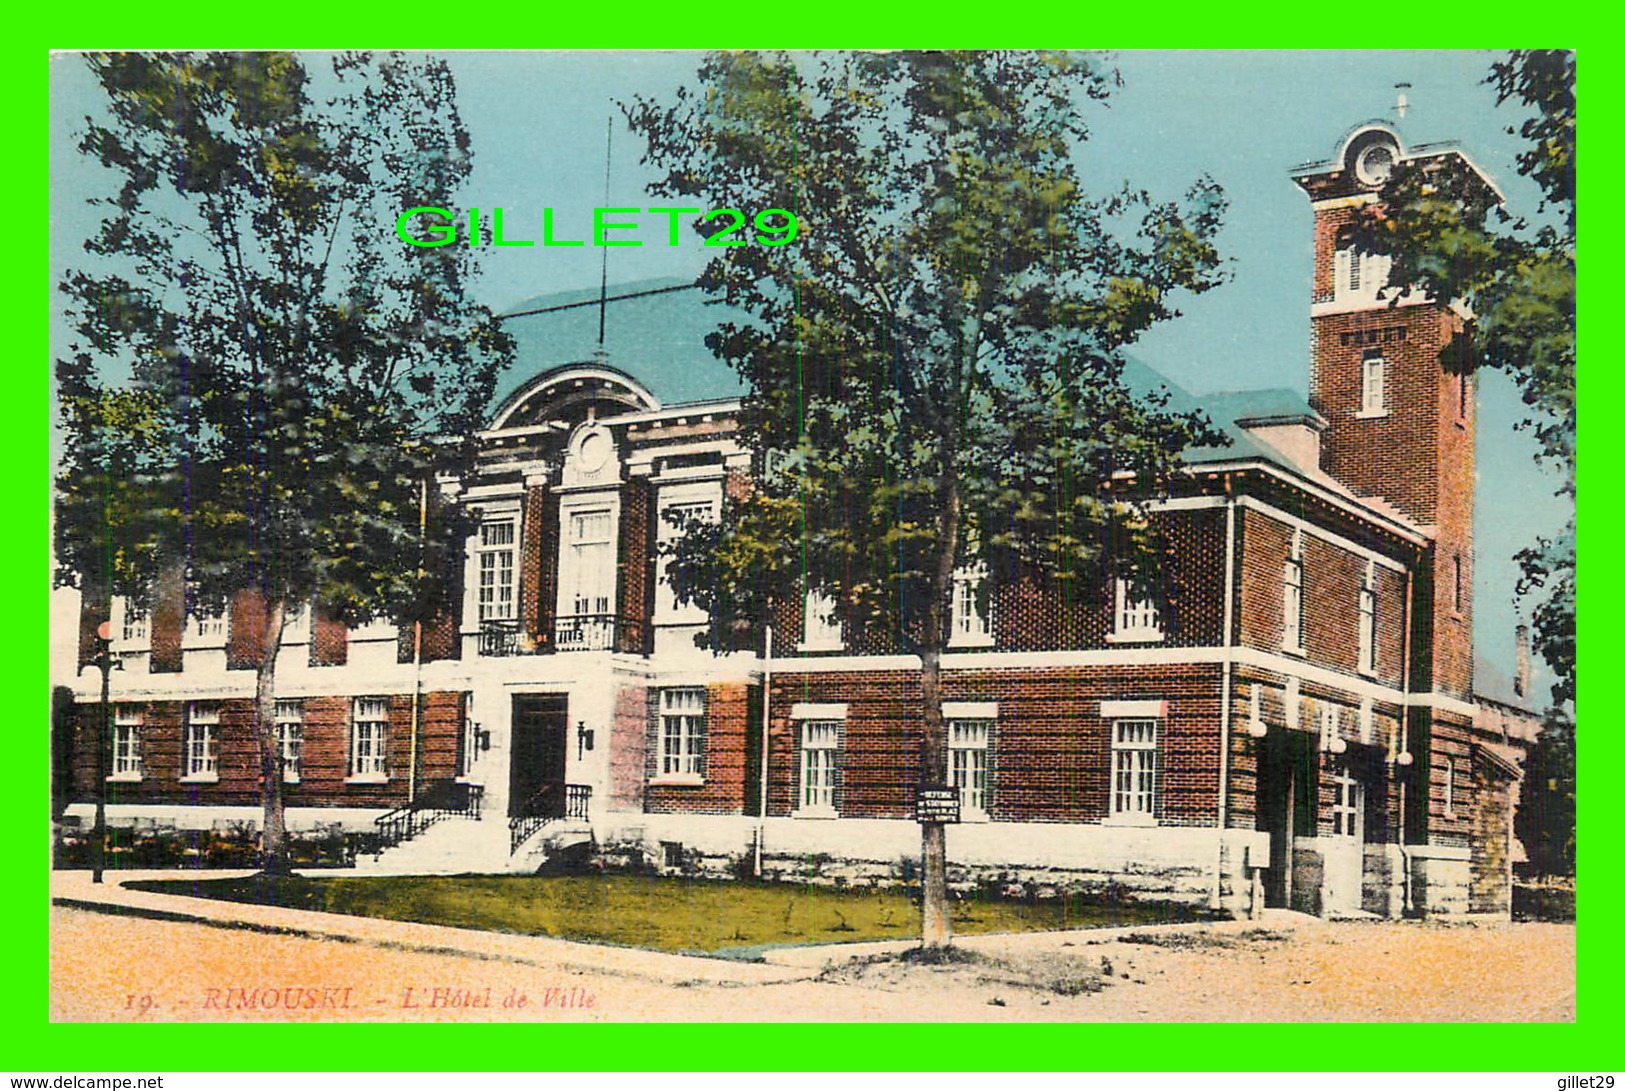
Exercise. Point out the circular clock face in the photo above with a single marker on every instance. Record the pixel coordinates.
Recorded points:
(1375, 164)
(594, 452)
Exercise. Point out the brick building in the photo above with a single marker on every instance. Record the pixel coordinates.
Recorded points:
(1291, 722)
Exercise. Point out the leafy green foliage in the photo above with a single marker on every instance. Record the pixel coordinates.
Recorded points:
(300, 372)
(265, 377)
(1449, 234)
(932, 366)
(1546, 808)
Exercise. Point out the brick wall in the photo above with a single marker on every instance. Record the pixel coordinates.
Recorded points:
(635, 581)
(727, 714)
(1332, 577)
(532, 549)
(1050, 751)
(329, 639)
(325, 755)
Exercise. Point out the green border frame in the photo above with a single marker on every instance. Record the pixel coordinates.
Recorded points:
(40, 1046)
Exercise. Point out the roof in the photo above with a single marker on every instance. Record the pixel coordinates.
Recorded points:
(654, 331)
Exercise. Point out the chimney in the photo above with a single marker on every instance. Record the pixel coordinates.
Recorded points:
(1520, 676)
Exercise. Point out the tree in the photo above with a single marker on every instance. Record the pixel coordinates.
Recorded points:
(305, 371)
(932, 363)
(1453, 238)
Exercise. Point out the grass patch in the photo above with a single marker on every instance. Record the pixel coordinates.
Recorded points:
(691, 915)
(1192, 941)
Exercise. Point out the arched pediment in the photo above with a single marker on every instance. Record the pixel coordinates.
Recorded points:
(571, 394)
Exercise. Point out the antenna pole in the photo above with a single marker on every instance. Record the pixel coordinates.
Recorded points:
(603, 272)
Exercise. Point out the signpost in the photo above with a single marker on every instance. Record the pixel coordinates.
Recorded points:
(937, 805)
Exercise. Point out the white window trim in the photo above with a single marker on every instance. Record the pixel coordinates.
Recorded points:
(967, 811)
(510, 549)
(969, 626)
(689, 778)
(127, 718)
(205, 715)
(1374, 270)
(1366, 622)
(1121, 612)
(570, 570)
(139, 642)
(829, 635)
(296, 624)
(1367, 411)
(291, 774)
(192, 635)
(687, 495)
(1115, 816)
(1292, 611)
(816, 811)
(380, 776)
(507, 507)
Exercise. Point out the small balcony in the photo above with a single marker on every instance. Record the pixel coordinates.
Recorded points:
(575, 633)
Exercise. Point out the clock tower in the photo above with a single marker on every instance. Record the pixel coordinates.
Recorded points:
(1397, 396)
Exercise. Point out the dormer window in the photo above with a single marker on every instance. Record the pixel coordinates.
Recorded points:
(969, 623)
(1373, 386)
(1134, 619)
(821, 627)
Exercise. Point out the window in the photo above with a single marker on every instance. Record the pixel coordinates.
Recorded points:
(1464, 397)
(1368, 619)
(296, 624)
(290, 738)
(1134, 769)
(674, 519)
(208, 621)
(969, 623)
(369, 730)
(682, 733)
(496, 598)
(1450, 787)
(967, 765)
(592, 556)
(1357, 274)
(199, 761)
(133, 626)
(1458, 592)
(1373, 386)
(820, 743)
(821, 628)
(126, 743)
(1346, 799)
(1292, 596)
(1134, 618)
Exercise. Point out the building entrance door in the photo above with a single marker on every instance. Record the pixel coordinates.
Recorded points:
(536, 777)
(1345, 848)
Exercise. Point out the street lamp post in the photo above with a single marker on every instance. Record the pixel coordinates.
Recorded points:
(98, 835)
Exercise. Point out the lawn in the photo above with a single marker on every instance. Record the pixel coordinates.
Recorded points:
(690, 915)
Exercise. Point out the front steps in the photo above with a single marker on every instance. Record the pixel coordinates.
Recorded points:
(452, 846)
(461, 846)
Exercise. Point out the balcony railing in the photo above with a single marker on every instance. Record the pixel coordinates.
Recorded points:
(572, 633)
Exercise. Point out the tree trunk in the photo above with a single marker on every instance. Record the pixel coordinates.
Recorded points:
(274, 831)
(936, 930)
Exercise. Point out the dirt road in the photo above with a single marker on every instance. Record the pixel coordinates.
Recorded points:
(110, 968)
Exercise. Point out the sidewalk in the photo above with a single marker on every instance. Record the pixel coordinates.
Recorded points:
(73, 889)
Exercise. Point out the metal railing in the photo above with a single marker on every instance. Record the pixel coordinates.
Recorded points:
(571, 633)
(439, 799)
(549, 805)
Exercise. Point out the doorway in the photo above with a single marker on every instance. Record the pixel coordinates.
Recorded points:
(1286, 810)
(536, 776)
(1345, 847)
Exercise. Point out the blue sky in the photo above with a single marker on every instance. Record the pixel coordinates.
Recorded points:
(1246, 118)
